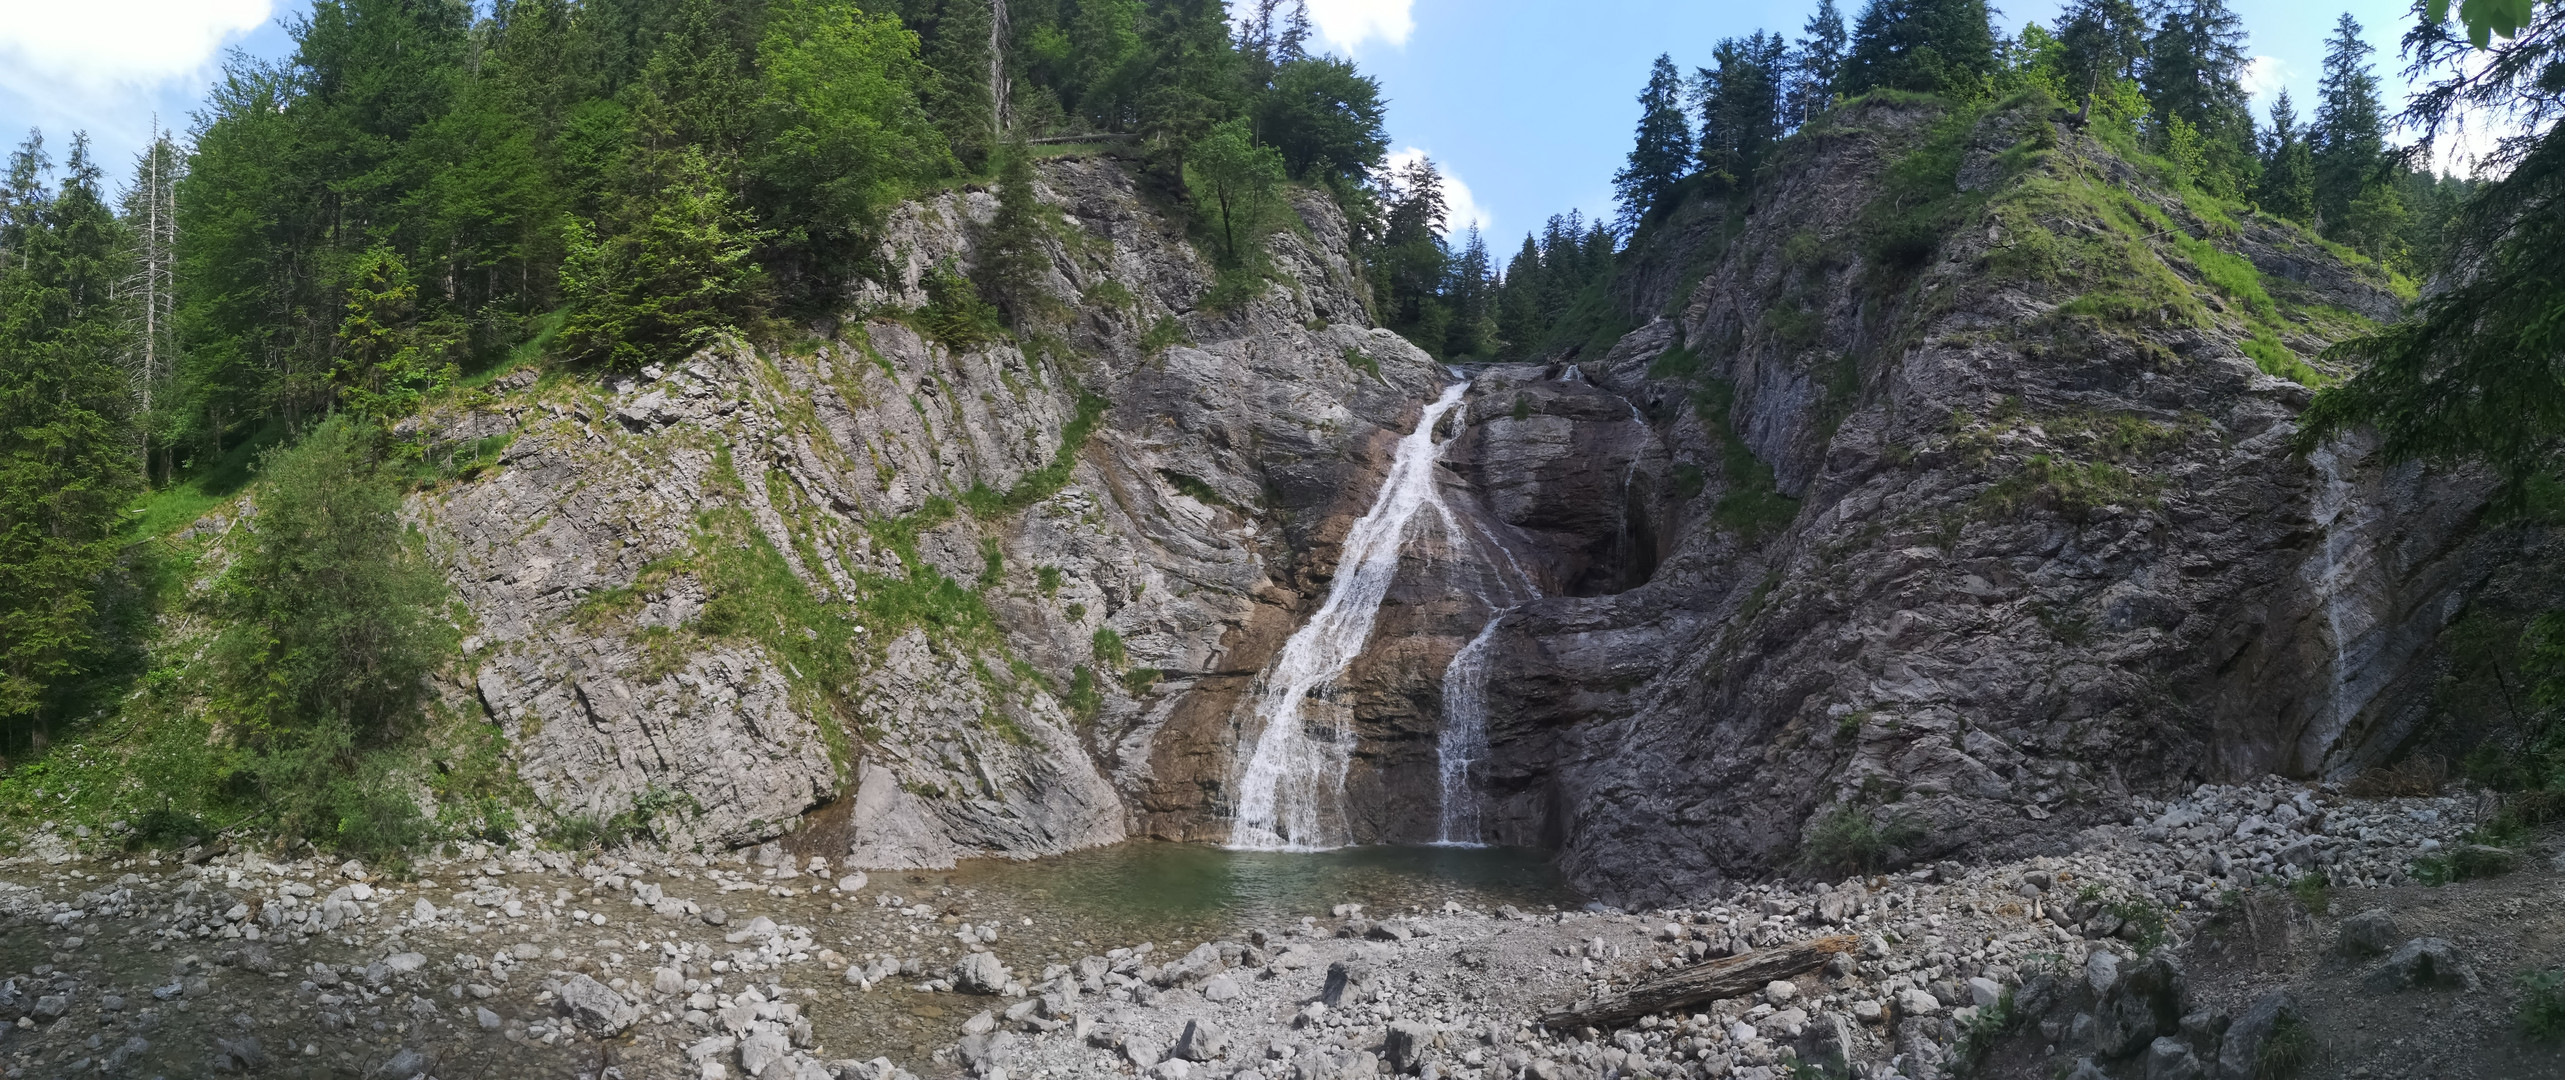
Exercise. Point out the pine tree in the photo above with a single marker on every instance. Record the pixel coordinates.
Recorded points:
(1923, 46)
(2349, 136)
(1814, 65)
(2288, 185)
(1664, 146)
(66, 439)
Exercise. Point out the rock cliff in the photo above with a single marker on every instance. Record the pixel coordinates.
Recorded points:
(970, 595)
(1941, 497)
(1980, 518)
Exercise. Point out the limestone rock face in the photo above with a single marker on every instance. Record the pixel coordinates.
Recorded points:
(872, 574)
(1915, 548)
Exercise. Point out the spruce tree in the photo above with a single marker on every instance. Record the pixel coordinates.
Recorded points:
(2349, 136)
(2102, 40)
(2288, 185)
(1922, 46)
(67, 460)
(1740, 107)
(2194, 74)
(1663, 151)
(1815, 64)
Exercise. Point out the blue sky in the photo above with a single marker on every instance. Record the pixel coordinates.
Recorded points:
(1528, 104)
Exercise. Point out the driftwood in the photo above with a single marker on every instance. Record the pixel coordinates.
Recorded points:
(1737, 975)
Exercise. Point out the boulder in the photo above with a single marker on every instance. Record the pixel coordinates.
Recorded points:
(2272, 1029)
(980, 973)
(1204, 1041)
(594, 1007)
(2423, 963)
(1406, 1045)
(2370, 933)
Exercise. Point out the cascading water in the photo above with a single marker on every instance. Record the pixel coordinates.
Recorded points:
(1463, 742)
(1292, 797)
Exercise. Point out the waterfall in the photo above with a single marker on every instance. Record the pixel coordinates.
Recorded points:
(1292, 797)
(1463, 742)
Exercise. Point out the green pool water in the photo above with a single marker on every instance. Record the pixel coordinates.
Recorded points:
(1159, 889)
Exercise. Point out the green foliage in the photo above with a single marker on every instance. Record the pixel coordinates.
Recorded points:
(663, 277)
(954, 313)
(1108, 648)
(1752, 505)
(1017, 261)
(1139, 680)
(1048, 580)
(331, 623)
(1919, 200)
(66, 428)
(1084, 699)
(2471, 373)
(2153, 924)
(1362, 361)
(1663, 148)
(2314, 892)
(842, 136)
(1239, 181)
(2067, 487)
(1325, 118)
(1193, 487)
(1922, 46)
(2541, 1010)
(2274, 358)
(1163, 333)
(1853, 840)
(2287, 1051)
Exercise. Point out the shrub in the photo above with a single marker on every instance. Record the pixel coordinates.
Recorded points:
(1851, 839)
(332, 628)
(2541, 1012)
(2288, 1051)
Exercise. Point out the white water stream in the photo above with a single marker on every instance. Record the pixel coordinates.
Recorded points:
(1292, 797)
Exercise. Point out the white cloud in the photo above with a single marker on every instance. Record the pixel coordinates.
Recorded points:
(1348, 23)
(105, 45)
(1463, 207)
(2264, 74)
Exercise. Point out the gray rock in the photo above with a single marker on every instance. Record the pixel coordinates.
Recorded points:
(980, 973)
(488, 1020)
(2371, 933)
(2086, 1070)
(404, 1064)
(761, 1049)
(1203, 1041)
(1406, 1045)
(1830, 1043)
(2101, 972)
(716, 915)
(2170, 1058)
(594, 1007)
(1142, 1053)
(2146, 1002)
(1346, 980)
(50, 1008)
(243, 1054)
(2423, 963)
(2272, 1028)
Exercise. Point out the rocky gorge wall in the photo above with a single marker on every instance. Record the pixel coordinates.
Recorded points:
(1943, 500)
(1966, 543)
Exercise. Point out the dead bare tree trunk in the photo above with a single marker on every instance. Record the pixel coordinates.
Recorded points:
(1734, 976)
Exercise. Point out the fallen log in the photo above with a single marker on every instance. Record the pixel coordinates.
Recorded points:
(1734, 976)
